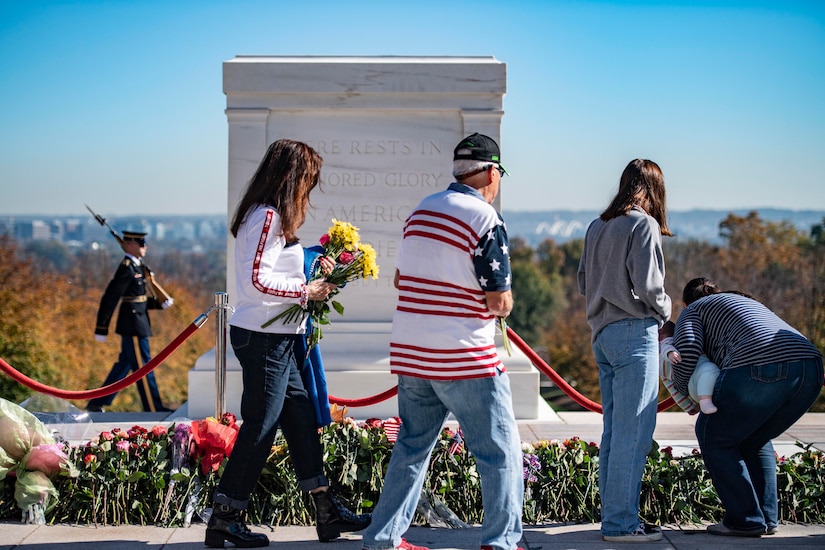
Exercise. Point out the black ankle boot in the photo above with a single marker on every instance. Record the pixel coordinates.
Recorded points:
(227, 524)
(332, 517)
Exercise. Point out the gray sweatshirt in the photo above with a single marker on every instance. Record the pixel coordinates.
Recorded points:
(622, 271)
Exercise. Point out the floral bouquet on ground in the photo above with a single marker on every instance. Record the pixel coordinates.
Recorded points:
(353, 260)
(214, 440)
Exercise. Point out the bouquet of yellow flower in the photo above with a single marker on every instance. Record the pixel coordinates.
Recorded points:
(353, 260)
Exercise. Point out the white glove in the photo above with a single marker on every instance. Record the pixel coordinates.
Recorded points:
(100, 337)
(167, 303)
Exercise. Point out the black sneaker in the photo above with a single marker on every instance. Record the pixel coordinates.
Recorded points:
(643, 533)
(725, 531)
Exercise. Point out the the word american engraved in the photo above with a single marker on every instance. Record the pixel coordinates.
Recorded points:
(362, 213)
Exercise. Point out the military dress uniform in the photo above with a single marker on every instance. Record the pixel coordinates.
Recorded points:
(128, 287)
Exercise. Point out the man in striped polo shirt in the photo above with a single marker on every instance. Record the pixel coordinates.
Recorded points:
(453, 280)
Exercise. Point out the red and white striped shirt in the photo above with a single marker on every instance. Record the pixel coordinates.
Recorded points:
(454, 250)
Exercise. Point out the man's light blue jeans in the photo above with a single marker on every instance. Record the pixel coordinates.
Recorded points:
(484, 410)
(627, 353)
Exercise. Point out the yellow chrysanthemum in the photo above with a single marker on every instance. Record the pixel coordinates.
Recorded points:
(343, 236)
(369, 267)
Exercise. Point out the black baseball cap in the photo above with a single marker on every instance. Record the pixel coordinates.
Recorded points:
(479, 147)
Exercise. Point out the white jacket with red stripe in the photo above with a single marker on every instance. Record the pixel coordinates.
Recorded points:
(269, 275)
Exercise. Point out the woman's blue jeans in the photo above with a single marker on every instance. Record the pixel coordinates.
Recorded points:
(756, 404)
(627, 353)
(273, 394)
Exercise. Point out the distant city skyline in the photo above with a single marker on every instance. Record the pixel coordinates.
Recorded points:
(532, 227)
(119, 104)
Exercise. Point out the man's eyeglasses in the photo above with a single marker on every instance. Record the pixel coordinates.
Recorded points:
(499, 167)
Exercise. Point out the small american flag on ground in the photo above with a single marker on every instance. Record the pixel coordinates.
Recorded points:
(391, 427)
(456, 442)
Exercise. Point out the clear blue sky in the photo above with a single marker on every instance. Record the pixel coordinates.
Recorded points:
(119, 104)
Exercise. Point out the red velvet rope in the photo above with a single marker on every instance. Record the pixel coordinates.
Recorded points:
(366, 401)
(539, 363)
(111, 388)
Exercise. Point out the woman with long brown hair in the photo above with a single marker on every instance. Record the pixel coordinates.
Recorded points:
(622, 274)
(269, 270)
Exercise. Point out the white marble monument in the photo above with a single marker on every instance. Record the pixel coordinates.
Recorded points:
(386, 128)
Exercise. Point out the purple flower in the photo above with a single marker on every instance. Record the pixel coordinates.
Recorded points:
(532, 465)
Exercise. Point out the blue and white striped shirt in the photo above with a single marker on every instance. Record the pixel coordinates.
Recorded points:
(734, 331)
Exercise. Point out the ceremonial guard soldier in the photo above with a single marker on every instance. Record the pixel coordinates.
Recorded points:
(129, 288)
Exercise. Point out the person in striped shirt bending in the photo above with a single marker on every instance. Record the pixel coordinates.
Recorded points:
(770, 376)
(453, 280)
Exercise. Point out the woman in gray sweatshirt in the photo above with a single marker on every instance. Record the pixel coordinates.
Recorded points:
(622, 274)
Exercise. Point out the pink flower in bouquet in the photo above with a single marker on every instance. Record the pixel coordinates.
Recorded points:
(123, 446)
(324, 240)
(346, 257)
(89, 458)
(106, 436)
(47, 458)
(158, 431)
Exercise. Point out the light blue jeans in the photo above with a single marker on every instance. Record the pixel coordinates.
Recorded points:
(484, 410)
(627, 353)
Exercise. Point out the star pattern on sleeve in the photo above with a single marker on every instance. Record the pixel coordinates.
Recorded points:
(491, 259)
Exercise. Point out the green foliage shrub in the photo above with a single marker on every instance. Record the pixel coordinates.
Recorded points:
(111, 482)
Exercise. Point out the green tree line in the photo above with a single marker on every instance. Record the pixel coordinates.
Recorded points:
(50, 298)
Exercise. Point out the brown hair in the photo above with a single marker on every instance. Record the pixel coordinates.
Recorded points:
(698, 288)
(287, 173)
(642, 184)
